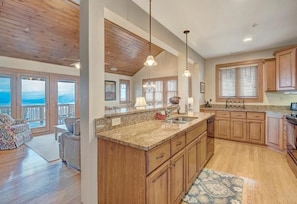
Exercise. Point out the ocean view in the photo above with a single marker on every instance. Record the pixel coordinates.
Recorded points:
(31, 98)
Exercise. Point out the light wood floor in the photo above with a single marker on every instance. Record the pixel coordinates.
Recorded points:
(267, 176)
(26, 178)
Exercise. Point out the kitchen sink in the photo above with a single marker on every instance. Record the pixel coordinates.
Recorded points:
(180, 119)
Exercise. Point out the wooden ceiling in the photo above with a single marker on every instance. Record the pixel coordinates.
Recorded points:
(48, 31)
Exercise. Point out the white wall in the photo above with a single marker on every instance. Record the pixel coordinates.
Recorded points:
(13, 63)
(116, 78)
(268, 98)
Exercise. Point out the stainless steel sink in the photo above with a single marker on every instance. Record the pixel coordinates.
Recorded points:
(180, 119)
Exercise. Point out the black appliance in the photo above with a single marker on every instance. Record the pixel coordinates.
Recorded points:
(210, 137)
(292, 140)
(293, 106)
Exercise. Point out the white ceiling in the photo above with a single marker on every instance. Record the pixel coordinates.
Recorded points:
(217, 27)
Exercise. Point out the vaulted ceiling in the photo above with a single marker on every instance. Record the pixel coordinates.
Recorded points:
(48, 31)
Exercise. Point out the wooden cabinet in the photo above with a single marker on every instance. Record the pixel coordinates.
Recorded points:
(238, 126)
(222, 124)
(160, 175)
(191, 163)
(158, 185)
(256, 127)
(274, 131)
(202, 151)
(177, 177)
(286, 69)
(270, 75)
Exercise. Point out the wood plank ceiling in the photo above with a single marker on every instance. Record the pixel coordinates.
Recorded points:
(48, 31)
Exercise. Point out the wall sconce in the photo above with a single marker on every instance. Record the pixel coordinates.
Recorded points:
(140, 103)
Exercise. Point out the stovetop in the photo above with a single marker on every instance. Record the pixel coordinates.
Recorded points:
(292, 118)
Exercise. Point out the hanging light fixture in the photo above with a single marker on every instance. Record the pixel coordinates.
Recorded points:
(150, 60)
(76, 65)
(186, 72)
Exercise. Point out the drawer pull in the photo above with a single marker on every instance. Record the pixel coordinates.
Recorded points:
(179, 144)
(160, 156)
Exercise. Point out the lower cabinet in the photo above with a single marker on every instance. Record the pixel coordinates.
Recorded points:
(167, 183)
(256, 127)
(240, 126)
(274, 131)
(161, 175)
(222, 124)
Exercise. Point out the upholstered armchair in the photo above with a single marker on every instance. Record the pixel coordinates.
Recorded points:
(13, 132)
(69, 143)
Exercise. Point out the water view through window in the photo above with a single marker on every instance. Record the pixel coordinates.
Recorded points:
(66, 100)
(5, 94)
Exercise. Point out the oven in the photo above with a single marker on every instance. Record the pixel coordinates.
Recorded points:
(291, 126)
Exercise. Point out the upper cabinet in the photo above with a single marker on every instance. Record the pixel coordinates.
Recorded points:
(269, 75)
(286, 69)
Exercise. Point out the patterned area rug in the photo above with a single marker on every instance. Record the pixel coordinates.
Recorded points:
(215, 187)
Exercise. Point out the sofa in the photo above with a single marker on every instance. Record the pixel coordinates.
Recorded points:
(13, 132)
(69, 143)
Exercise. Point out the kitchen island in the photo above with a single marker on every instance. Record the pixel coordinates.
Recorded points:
(152, 161)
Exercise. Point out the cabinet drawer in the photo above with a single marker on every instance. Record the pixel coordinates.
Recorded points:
(195, 132)
(238, 114)
(223, 114)
(178, 143)
(255, 116)
(157, 156)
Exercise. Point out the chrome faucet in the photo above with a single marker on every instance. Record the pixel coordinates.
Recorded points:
(172, 108)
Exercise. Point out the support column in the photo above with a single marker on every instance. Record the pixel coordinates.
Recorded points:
(91, 92)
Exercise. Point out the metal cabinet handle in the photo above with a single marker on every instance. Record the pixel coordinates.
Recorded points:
(160, 156)
(178, 144)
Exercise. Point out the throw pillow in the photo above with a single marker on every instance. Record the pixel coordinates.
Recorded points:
(69, 123)
(76, 127)
(7, 119)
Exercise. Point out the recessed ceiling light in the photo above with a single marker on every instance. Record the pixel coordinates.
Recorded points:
(247, 39)
(114, 69)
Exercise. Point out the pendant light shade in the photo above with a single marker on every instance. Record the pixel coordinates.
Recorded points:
(186, 72)
(150, 60)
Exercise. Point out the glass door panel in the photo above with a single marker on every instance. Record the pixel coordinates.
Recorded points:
(5, 94)
(34, 100)
(66, 100)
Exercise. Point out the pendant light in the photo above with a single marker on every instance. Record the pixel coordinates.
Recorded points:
(186, 72)
(149, 85)
(150, 60)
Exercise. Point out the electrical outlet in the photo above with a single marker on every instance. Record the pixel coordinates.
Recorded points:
(116, 121)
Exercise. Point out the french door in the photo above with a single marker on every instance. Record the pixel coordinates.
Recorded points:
(34, 100)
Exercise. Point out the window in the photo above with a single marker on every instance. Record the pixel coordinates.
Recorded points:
(159, 96)
(242, 79)
(124, 91)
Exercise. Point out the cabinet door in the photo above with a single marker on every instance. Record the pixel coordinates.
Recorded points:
(286, 70)
(274, 132)
(270, 72)
(158, 185)
(222, 128)
(191, 163)
(256, 131)
(238, 130)
(178, 175)
(202, 151)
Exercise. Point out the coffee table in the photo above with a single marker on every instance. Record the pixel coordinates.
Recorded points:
(59, 128)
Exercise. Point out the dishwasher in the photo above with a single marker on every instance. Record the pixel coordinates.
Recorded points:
(210, 136)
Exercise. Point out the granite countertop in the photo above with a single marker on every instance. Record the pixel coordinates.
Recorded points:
(149, 134)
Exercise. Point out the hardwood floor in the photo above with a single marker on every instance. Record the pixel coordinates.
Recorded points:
(267, 176)
(27, 178)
